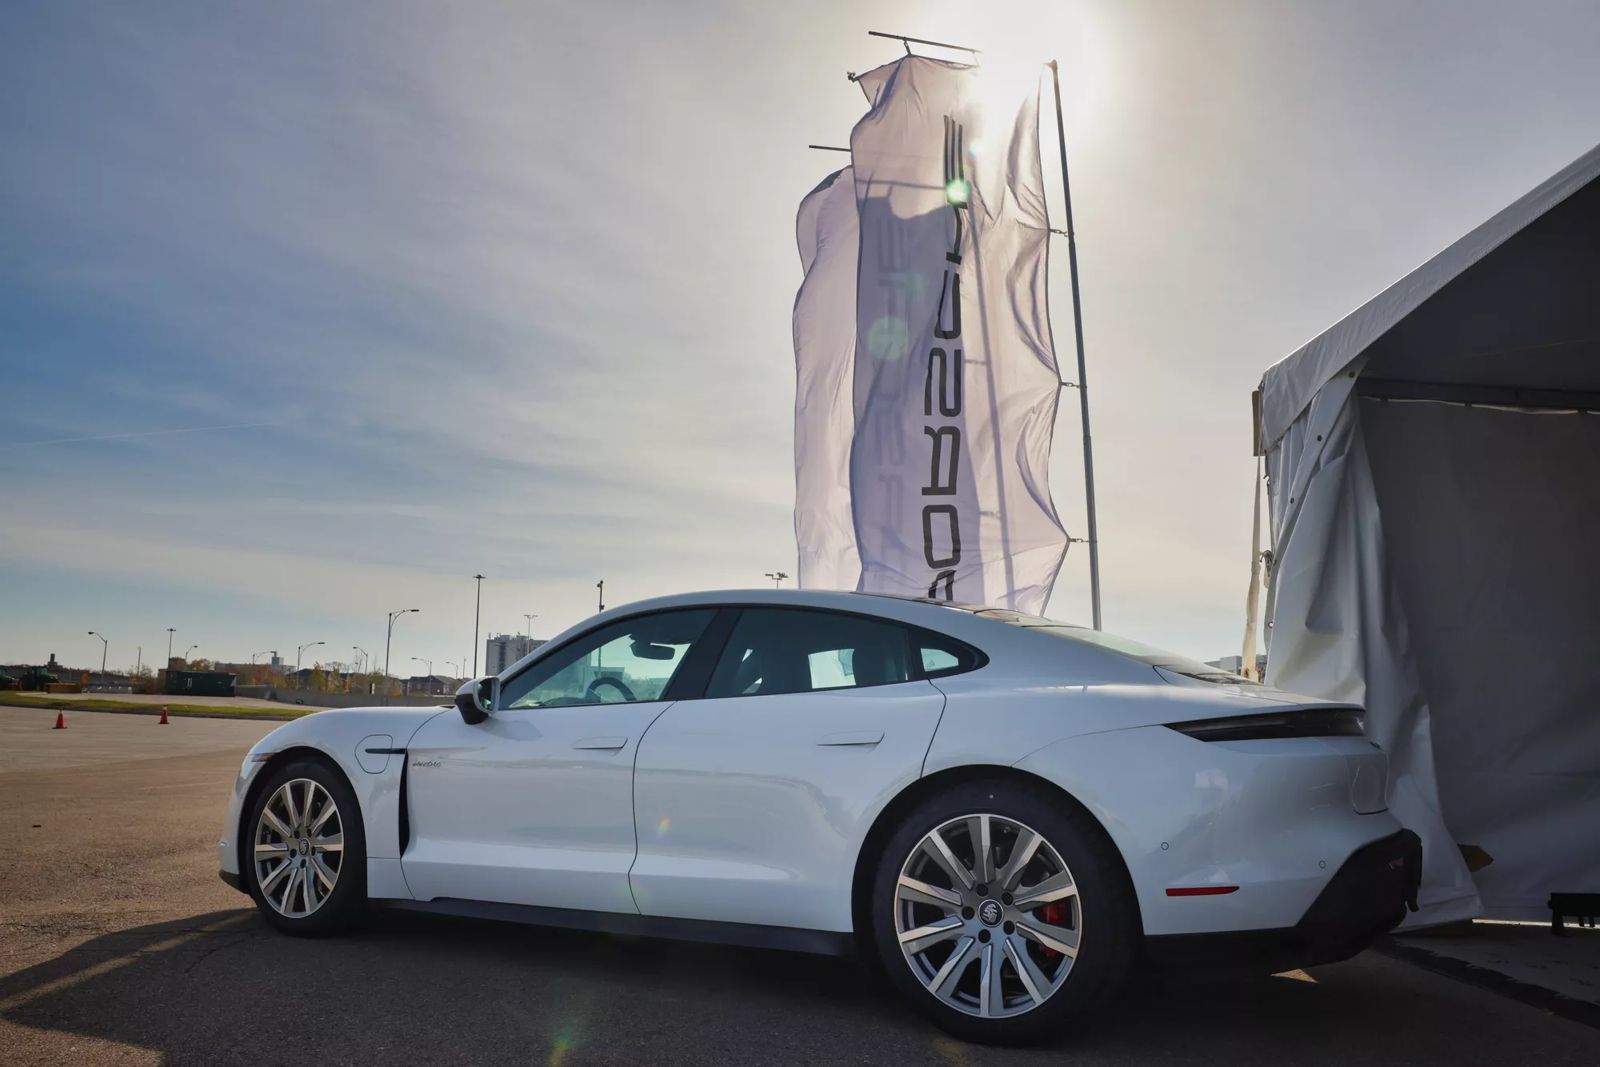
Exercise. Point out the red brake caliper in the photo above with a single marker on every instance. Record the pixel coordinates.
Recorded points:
(1054, 913)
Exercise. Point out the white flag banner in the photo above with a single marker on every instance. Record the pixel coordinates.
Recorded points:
(955, 380)
(824, 406)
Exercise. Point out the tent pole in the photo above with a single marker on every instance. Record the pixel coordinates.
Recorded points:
(1083, 374)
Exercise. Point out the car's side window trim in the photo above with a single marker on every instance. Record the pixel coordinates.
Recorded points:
(691, 683)
(544, 654)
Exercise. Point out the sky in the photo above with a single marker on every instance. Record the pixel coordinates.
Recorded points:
(310, 312)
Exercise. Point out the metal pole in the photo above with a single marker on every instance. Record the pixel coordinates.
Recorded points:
(477, 616)
(170, 632)
(388, 639)
(386, 642)
(601, 585)
(918, 40)
(1083, 374)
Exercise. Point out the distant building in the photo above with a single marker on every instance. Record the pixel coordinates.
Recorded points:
(1231, 664)
(435, 685)
(502, 650)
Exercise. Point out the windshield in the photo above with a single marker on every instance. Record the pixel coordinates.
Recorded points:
(1155, 657)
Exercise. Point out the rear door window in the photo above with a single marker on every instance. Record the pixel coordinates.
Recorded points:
(784, 650)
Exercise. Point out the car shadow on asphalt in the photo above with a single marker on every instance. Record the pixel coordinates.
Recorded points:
(223, 987)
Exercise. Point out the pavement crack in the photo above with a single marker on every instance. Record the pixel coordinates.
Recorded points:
(214, 949)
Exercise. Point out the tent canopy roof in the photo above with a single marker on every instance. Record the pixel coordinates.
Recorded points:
(1515, 304)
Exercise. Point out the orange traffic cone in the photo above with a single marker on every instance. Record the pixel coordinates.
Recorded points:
(61, 721)
(163, 721)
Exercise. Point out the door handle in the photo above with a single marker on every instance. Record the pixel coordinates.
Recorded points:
(607, 744)
(858, 737)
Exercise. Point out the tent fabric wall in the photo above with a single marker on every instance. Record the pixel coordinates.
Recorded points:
(1504, 618)
(1377, 506)
(1337, 631)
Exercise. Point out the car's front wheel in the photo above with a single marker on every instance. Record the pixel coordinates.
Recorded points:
(999, 912)
(306, 854)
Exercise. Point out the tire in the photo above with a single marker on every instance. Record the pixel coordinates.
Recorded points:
(317, 843)
(1072, 895)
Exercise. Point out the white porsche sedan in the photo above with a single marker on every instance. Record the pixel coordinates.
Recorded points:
(1008, 814)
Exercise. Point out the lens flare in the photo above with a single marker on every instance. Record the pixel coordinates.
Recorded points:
(957, 191)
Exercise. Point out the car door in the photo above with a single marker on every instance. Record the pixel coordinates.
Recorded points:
(534, 805)
(753, 801)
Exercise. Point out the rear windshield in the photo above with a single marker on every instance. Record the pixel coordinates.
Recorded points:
(1135, 650)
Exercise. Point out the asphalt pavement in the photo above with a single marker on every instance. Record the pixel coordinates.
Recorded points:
(118, 945)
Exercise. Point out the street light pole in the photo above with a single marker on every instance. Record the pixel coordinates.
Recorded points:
(477, 616)
(365, 659)
(601, 585)
(387, 641)
(777, 578)
(170, 631)
(301, 650)
(530, 616)
(429, 662)
(186, 652)
(104, 645)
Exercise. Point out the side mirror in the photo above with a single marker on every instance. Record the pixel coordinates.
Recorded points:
(475, 699)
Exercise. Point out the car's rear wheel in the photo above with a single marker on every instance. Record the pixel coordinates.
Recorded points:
(999, 912)
(305, 853)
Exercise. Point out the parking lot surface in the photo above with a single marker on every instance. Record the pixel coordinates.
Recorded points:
(118, 945)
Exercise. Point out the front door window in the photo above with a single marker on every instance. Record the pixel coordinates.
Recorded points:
(632, 660)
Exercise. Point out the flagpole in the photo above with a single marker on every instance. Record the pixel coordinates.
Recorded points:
(1077, 327)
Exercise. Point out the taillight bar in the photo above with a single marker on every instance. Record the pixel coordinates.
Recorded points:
(1311, 722)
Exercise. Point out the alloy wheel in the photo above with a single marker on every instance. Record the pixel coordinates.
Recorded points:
(299, 848)
(987, 915)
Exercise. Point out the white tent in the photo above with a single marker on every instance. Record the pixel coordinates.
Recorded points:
(1434, 466)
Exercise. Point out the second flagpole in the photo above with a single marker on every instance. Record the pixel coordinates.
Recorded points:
(1077, 329)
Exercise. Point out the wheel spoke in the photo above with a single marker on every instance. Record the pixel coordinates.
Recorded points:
(1022, 854)
(991, 1001)
(978, 829)
(329, 810)
(293, 883)
(324, 874)
(276, 823)
(954, 967)
(920, 938)
(271, 880)
(1058, 938)
(331, 843)
(1033, 979)
(1056, 887)
(267, 850)
(286, 795)
(311, 799)
(935, 847)
(923, 893)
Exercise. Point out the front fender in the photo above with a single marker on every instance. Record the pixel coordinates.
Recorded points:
(344, 737)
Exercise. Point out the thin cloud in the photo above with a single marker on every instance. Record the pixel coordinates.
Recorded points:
(140, 433)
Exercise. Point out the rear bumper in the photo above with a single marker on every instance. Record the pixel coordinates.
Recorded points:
(1366, 897)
